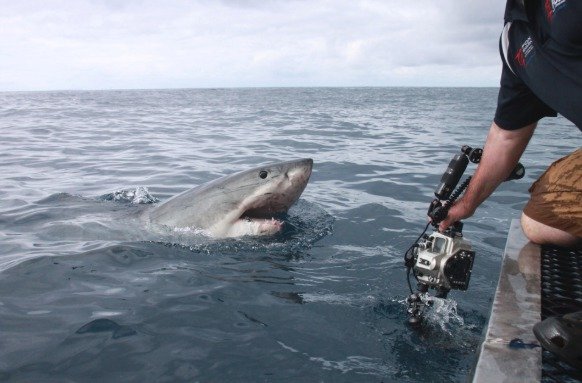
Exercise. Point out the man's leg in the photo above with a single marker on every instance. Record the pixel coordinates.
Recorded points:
(553, 214)
(543, 234)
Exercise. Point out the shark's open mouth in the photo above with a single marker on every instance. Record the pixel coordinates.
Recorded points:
(262, 214)
(262, 220)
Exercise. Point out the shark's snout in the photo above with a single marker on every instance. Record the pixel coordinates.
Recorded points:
(300, 171)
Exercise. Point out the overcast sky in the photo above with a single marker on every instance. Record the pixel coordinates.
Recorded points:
(127, 44)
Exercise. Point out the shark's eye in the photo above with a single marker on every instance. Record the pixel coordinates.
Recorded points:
(263, 174)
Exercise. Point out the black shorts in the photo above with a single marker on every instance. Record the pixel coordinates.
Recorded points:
(542, 66)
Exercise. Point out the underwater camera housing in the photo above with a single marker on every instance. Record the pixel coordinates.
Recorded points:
(444, 261)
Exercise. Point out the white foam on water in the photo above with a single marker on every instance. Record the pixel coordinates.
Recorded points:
(442, 312)
(138, 196)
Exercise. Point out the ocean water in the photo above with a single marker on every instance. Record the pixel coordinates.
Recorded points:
(88, 294)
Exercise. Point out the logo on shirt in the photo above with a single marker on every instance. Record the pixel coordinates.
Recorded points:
(525, 53)
(552, 7)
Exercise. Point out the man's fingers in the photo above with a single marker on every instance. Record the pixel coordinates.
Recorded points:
(444, 225)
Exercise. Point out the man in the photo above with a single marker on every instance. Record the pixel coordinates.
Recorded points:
(541, 49)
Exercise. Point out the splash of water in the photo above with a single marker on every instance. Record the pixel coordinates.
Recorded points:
(138, 196)
(442, 312)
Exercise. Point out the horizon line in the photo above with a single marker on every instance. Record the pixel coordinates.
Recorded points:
(252, 87)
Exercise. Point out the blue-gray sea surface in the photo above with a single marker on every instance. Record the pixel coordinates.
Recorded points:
(88, 294)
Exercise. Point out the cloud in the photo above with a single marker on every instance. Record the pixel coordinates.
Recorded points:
(178, 43)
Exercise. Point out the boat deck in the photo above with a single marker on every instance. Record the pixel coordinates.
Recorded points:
(534, 282)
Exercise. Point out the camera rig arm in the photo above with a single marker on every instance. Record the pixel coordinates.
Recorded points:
(445, 196)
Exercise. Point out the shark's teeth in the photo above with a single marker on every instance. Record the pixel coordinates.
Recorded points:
(254, 227)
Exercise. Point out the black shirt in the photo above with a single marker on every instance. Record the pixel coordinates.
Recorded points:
(541, 50)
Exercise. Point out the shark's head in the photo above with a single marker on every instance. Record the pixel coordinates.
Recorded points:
(245, 203)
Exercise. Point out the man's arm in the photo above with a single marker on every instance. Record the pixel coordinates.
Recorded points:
(502, 151)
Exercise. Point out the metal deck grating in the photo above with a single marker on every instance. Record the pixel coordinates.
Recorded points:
(561, 293)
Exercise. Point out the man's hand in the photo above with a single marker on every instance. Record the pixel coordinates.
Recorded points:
(457, 212)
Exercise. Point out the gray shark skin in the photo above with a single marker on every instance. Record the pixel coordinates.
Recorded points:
(239, 204)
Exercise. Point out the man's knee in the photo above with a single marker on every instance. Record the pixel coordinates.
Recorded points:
(529, 228)
(543, 234)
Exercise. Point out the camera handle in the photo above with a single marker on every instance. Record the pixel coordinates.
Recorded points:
(438, 211)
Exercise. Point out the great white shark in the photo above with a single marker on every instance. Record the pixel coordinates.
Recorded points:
(244, 203)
